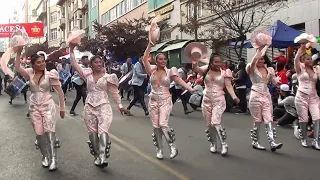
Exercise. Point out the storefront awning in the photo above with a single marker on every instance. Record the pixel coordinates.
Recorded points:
(175, 46)
(158, 46)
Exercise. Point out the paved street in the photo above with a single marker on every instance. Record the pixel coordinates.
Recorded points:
(133, 154)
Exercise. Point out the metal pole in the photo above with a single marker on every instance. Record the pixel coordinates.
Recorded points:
(26, 11)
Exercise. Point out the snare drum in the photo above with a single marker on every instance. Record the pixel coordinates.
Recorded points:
(124, 81)
(15, 87)
(64, 76)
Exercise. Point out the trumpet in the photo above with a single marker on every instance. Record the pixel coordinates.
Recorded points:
(42, 53)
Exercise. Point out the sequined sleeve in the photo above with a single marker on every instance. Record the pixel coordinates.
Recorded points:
(174, 72)
(227, 79)
(86, 72)
(56, 84)
(54, 78)
(174, 76)
(112, 87)
(228, 73)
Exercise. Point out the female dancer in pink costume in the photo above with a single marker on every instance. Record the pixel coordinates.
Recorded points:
(260, 104)
(214, 102)
(306, 97)
(160, 101)
(97, 109)
(42, 107)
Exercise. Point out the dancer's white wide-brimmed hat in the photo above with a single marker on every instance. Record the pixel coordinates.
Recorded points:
(196, 52)
(261, 39)
(75, 35)
(154, 30)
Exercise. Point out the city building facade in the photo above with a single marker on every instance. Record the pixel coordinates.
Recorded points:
(171, 13)
(42, 9)
(54, 37)
(82, 13)
(120, 10)
(73, 13)
(93, 12)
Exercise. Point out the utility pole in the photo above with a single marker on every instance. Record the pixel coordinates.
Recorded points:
(26, 11)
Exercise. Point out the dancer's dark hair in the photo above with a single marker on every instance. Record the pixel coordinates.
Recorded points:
(34, 58)
(213, 55)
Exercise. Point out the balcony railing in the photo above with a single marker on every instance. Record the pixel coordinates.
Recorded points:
(62, 21)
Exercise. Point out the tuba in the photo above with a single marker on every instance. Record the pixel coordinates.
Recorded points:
(42, 53)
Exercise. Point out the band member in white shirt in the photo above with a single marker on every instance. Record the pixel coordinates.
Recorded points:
(79, 84)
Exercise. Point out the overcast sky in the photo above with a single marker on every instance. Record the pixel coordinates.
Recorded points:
(6, 10)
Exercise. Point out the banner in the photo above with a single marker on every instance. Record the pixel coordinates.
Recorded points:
(32, 29)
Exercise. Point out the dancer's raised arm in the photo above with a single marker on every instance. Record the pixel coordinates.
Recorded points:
(18, 66)
(145, 61)
(297, 64)
(74, 63)
(200, 70)
(252, 66)
(176, 78)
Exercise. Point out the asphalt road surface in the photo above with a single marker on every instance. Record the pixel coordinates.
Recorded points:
(133, 154)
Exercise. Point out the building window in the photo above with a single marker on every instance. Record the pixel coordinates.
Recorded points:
(103, 21)
(113, 14)
(108, 17)
(138, 2)
(124, 6)
(105, 18)
(53, 17)
(154, 4)
(191, 10)
(53, 34)
(94, 3)
(119, 10)
(129, 5)
(34, 13)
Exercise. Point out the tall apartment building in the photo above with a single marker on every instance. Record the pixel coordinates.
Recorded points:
(120, 10)
(30, 10)
(72, 13)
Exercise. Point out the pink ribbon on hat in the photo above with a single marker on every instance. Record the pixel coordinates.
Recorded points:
(18, 39)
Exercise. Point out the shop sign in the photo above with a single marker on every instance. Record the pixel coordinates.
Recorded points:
(32, 29)
(163, 10)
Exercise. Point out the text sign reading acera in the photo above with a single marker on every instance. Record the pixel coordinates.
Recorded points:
(32, 29)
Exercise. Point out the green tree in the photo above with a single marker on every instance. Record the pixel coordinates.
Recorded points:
(124, 39)
(240, 17)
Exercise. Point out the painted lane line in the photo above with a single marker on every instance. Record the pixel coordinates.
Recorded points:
(139, 152)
